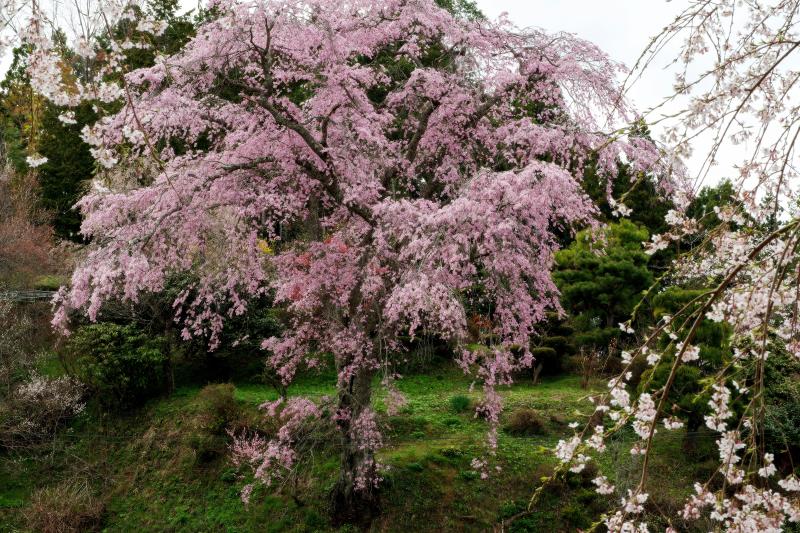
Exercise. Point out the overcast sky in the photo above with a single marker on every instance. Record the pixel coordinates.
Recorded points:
(622, 28)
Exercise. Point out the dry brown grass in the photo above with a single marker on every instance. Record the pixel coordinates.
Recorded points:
(68, 507)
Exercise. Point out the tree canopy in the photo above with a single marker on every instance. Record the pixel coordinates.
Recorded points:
(429, 155)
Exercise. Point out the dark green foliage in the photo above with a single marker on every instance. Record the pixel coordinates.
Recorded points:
(31, 124)
(553, 346)
(219, 408)
(685, 390)
(600, 283)
(121, 365)
(219, 413)
(239, 356)
(18, 108)
(180, 29)
(713, 338)
(462, 8)
(525, 423)
(548, 358)
(70, 165)
(701, 209)
(648, 205)
(460, 403)
(688, 391)
(782, 399)
(702, 206)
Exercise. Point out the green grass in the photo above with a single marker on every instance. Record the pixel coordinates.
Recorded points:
(49, 282)
(146, 469)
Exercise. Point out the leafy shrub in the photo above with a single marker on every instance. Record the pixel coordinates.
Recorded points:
(460, 403)
(238, 357)
(219, 408)
(545, 360)
(782, 396)
(122, 365)
(37, 408)
(453, 422)
(576, 515)
(65, 508)
(525, 422)
(601, 290)
(451, 452)
(219, 414)
(468, 475)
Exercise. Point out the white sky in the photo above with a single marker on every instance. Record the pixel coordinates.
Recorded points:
(622, 28)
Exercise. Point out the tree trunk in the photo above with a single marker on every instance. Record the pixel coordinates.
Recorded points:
(352, 502)
(536, 372)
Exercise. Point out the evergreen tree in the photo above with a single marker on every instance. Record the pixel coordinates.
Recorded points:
(601, 276)
(69, 166)
(21, 110)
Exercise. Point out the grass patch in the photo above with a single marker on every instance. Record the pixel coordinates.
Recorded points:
(147, 469)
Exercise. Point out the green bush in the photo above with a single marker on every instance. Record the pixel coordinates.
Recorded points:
(525, 422)
(468, 475)
(239, 357)
(782, 396)
(218, 413)
(547, 360)
(121, 365)
(460, 403)
(219, 409)
(451, 452)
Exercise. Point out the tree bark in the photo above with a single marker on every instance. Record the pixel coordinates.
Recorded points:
(349, 502)
(537, 370)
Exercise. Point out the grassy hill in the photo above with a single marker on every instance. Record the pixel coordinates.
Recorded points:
(161, 469)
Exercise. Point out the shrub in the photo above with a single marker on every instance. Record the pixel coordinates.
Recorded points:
(599, 290)
(460, 403)
(219, 415)
(15, 328)
(65, 508)
(451, 452)
(525, 422)
(122, 365)
(468, 475)
(37, 408)
(219, 408)
(782, 396)
(546, 360)
(576, 515)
